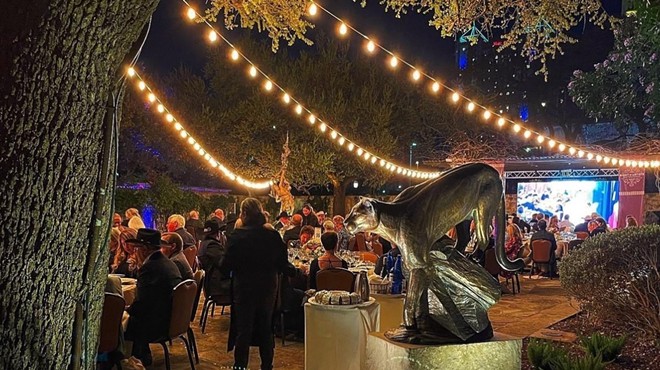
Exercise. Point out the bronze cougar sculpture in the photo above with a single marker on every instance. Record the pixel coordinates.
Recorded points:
(448, 296)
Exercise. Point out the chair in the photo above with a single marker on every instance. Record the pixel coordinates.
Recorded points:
(377, 248)
(541, 251)
(574, 244)
(494, 268)
(191, 256)
(113, 309)
(279, 307)
(358, 243)
(369, 256)
(183, 299)
(210, 301)
(199, 280)
(335, 279)
(582, 235)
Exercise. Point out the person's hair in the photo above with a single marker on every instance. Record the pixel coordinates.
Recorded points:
(193, 215)
(114, 238)
(542, 225)
(307, 229)
(329, 239)
(122, 254)
(631, 221)
(308, 206)
(267, 216)
(136, 223)
(252, 213)
(337, 218)
(174, 238)
(178, 219)
(601, 222)
(131, 212)
(328, 225)
(566, 217)
(219, 211)
(516, 219)
(514, 230)
(296, 220)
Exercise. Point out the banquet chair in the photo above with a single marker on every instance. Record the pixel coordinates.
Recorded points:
(210, 301)
(279, 306)
(369, 256)
(113, 309)
(574, 244)
(183, 299)
(494, 268)
(199, 280)
(541, 250)
(582, 235)
(191, 257)
(357, 243)
(377, 248)
(335, 279)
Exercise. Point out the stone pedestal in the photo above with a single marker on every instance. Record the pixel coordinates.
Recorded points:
(500, 353)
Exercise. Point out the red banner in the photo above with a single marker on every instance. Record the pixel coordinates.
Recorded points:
(631, 196)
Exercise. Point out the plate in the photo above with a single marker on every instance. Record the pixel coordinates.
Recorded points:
(128, 281)
(342, 306)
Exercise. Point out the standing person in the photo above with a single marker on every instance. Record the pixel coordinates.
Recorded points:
(584, 226)
(522, 225)
(308, 216)
(210, 255)
(150, 312)
(176, 224)
(195, 226)
(255, 283)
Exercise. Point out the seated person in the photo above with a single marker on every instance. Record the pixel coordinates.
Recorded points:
(293, 232)
(306, 233)
(174, 251)
(328, 260)
(543, 234)
(380, 264)
(601, 227)
(282, 221)
(211, 253)
(150, 312)
(176, 223)
(125, 260)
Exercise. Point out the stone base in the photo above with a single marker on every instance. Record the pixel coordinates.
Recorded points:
(502, 352)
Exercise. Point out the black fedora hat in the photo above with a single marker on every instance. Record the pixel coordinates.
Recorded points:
(148, 238)
(211, 226)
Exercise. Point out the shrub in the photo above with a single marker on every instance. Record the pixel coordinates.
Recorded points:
(603, 346)
(615, 276)
(543, 355)
(587, 362)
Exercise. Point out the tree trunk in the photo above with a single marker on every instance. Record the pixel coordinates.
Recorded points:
(59, 62)
(339, 195)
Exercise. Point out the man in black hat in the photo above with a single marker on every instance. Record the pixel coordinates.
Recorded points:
(210, 255)
(150, 312)
(282, 221)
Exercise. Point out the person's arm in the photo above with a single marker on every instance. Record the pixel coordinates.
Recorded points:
(313, 269)
(228, 262)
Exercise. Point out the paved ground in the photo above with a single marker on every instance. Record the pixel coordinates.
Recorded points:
(541, 304)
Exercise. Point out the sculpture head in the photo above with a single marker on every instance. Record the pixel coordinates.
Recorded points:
(363, 217)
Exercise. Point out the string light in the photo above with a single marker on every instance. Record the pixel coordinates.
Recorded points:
(286, 98)
(190, 140)
(343, 29)
(436, 85)
(486, 114)
(253, 71)
(313, 9)
(299, 109)
(268, 85)
(516, 128)
(192, 14)
(213, 36)
(311, 119)
(540, 139)
(234, 54)
(455, 97)
(470, 107)
(527, 134)
(416, 75)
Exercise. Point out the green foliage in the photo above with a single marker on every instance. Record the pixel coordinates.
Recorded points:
(603, 346)
(543, 355)
(616, 277)
(625, 88)
(587, 362)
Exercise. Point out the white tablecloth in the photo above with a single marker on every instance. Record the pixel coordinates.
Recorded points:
(391, 310)
(336, 338)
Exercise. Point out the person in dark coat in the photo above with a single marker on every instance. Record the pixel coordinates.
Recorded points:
(195, 226)
(308, 216)
(583, 226)
(176, 223)
(601, 228)
(282, 221)
(174, 251)
(150, 312)
(522, 225)
(543, 234)
(293, 233)
(210, 255)
(255, 256)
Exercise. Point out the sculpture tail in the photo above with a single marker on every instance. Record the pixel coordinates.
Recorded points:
(500, 252)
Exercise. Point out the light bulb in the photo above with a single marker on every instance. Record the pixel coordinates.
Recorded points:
(311, 119)
(286, 98)
(197, 146)
(580, 153)
(590, 156)
(234, 54)
(516, 127)
(299, 109)
(213, 163)
(160, 108)
(342, 140)
(501, 122)
(606, 160)
(455, 97)
(268, 85)
(131, 71)
(373, 160)
(527, 134)
(382, 162)
(470, 107)
(486, 114)
(551, 143)
(169, 117)
(191, 141)
(571, 150)
(183, 134)
(614, 161)
(178, 126)
(599, 158)
(367, 155)
(435, 87)
(213, 37)
(540, 139)
(142, 85)
(313, 9)
(562, 147)
(416, 75)
(323, 127)
(201, 152)
(360, 151)
(207, 156)
(351, 146)
(343, 29)
(151, 97)
(191, 13)
(253, 71)
(371, 46)
(394, 61)
(333, 134)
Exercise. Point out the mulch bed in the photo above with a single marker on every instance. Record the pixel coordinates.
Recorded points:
(637, 354)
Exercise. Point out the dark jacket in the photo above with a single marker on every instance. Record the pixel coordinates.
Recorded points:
(195, 228)
(291, 234)
(583, 227)
(545, 235)
(188, 239)
(598, 230)
(182, 264)
(151, 310)
(210, 257)
(255, 256)
(315, 268)
(310, 219)
(394, 252)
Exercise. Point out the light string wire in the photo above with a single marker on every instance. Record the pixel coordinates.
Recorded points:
(153, 100)
(456, 96)
(325, 129)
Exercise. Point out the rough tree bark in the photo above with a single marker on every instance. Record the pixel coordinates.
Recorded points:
(58, 66)
(339, 187)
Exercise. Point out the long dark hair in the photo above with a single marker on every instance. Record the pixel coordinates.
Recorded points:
(252, 214)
